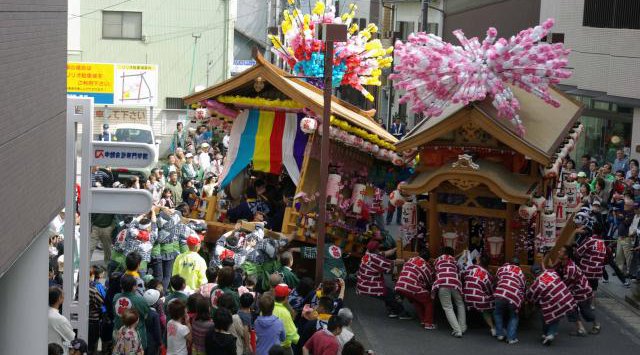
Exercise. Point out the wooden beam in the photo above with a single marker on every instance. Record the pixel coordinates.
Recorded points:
(472, 211)
(434, 227)
(509, 242)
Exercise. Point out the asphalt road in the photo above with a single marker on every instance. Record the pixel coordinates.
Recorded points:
(392, 336)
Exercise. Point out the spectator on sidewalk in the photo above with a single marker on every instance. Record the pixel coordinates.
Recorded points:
(60, 329)
(130, 299)
(154, 328)
(127, 338)
(325, 342)
(219, 341)
(269, 328)
(281, 293)
(178, 329)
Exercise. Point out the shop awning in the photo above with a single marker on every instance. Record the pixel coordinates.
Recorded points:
(508, 186)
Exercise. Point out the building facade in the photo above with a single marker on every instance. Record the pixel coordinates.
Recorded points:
(604, 38)
(32, 136)
(191, 42)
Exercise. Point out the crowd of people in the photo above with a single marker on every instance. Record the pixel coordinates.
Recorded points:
(158, 292)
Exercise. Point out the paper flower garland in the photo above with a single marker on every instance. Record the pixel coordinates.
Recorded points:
(434, 73)
(357, 62)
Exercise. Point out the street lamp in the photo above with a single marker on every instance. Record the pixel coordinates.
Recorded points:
(331, 32)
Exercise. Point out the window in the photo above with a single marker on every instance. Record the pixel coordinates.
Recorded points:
(361, 22)
(121, 25)
(611, 14)
(557, 38)
(403, 29)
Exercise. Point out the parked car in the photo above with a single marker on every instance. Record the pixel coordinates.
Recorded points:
(134, 133)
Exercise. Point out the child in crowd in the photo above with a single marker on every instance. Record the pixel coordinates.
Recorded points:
(269, 328)
(219, 341)
(237, 329)
(212, 277)
(178, 329)
(127, 341)
(178, 291)
(288, 276)
(154, 329)
(201, 326)
(246, 315)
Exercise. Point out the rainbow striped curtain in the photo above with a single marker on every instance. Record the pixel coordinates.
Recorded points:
(271, 139)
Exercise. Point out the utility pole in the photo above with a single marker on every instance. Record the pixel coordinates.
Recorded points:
(331, 33)
(425, 16)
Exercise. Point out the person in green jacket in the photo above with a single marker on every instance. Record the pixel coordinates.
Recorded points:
(178, 286)
(281, 293)
(333, 265)
(226, 275)
(288, 276)
(128, 299)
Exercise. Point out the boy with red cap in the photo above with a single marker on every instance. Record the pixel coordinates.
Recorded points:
(281, 293)
(553, 297)
(478, 290)
(373, 266)
(190, 265)
(449, 288)
(508, 294)
(414, 283)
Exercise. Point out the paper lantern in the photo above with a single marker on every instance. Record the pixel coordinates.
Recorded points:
(375, 148)
(396, 199)
(560, 208)
(367, 147)
(495, 246)
(527, 212)
(333, 188)
(539, 202)
(308, 125)
(409, 216)
(450, 239)
(202, 113)
(333, 132)
(571, 191)
(351, 140)
(548, 235)
(357, 196)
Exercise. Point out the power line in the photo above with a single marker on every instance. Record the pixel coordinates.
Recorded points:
(97, 10)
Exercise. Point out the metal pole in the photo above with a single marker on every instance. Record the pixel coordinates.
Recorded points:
(324, 159)
(70, 210)
(393, 42)
(425, 16)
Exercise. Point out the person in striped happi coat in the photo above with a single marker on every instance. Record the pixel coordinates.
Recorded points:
(580, 289)
(370, 279)
(414, 283)
(591, 256)
(553, 297)
(478, 290)
(449, 289)
(509, 294)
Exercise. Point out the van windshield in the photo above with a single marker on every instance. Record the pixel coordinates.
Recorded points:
(133, 135)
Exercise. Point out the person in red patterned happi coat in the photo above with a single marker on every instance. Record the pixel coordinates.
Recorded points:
(553, 297)
(414, 283)
(478, 290)
(591, 255)
(580, 289)
(509, 294)
(449, 289)
(370, 279)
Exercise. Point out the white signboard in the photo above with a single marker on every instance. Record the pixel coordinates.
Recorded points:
(241, 65)
(135, 85)
(132, 155)
(120, 201)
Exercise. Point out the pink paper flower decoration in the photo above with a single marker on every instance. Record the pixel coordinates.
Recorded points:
(434, 74)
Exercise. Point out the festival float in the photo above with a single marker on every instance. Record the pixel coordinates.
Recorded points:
(275, 117)
(492, 143)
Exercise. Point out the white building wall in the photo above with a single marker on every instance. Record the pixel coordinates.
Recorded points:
(603, 59)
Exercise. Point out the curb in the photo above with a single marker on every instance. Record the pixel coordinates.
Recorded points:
(625, 301)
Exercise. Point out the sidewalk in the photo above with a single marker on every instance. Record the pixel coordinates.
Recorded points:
(617, 291)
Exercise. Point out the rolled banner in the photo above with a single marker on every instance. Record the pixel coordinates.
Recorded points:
(560, 207)
(357, 196)
(333, 188)
(396, 199)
